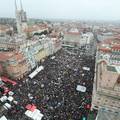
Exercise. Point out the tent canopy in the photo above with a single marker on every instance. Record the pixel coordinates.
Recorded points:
(86, 68)
(81, 88)
(35, 115)
(3, 118)
(31, 107)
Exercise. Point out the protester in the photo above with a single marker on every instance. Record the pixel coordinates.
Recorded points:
(53, 90)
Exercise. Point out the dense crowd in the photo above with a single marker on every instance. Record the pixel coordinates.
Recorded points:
(53, 90)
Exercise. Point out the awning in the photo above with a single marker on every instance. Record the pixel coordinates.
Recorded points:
(7, 106)
(86, 68)
(3, 118)
(81, 88)
(36, 115)
(53, 57)
(10, 98)
(3, 98)
(31, 107)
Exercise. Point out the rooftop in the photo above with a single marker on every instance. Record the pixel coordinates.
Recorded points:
(115, 69)
(5, 55)
(107, 115)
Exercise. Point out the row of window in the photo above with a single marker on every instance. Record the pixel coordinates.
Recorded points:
(113, 103)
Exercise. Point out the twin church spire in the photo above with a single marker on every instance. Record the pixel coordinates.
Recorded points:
(21, 18)
(20, 5)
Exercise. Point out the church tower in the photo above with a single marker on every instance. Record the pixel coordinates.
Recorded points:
(21, 18)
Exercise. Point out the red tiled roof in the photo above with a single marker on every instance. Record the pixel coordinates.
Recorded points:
(5, 55)
(35, 28)
(110, 40)
(107, 41)
(116, 46)
(18, 56)
(105, 49)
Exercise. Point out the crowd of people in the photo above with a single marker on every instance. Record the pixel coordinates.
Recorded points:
(53, 90)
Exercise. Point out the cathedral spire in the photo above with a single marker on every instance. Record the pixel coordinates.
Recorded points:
(15, 5)
(21, 4)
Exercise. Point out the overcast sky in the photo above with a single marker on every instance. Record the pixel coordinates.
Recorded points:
(65, 9)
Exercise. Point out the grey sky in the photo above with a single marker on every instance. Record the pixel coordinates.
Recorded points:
(67, 9)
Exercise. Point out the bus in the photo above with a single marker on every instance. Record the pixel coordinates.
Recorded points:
(36, 71)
